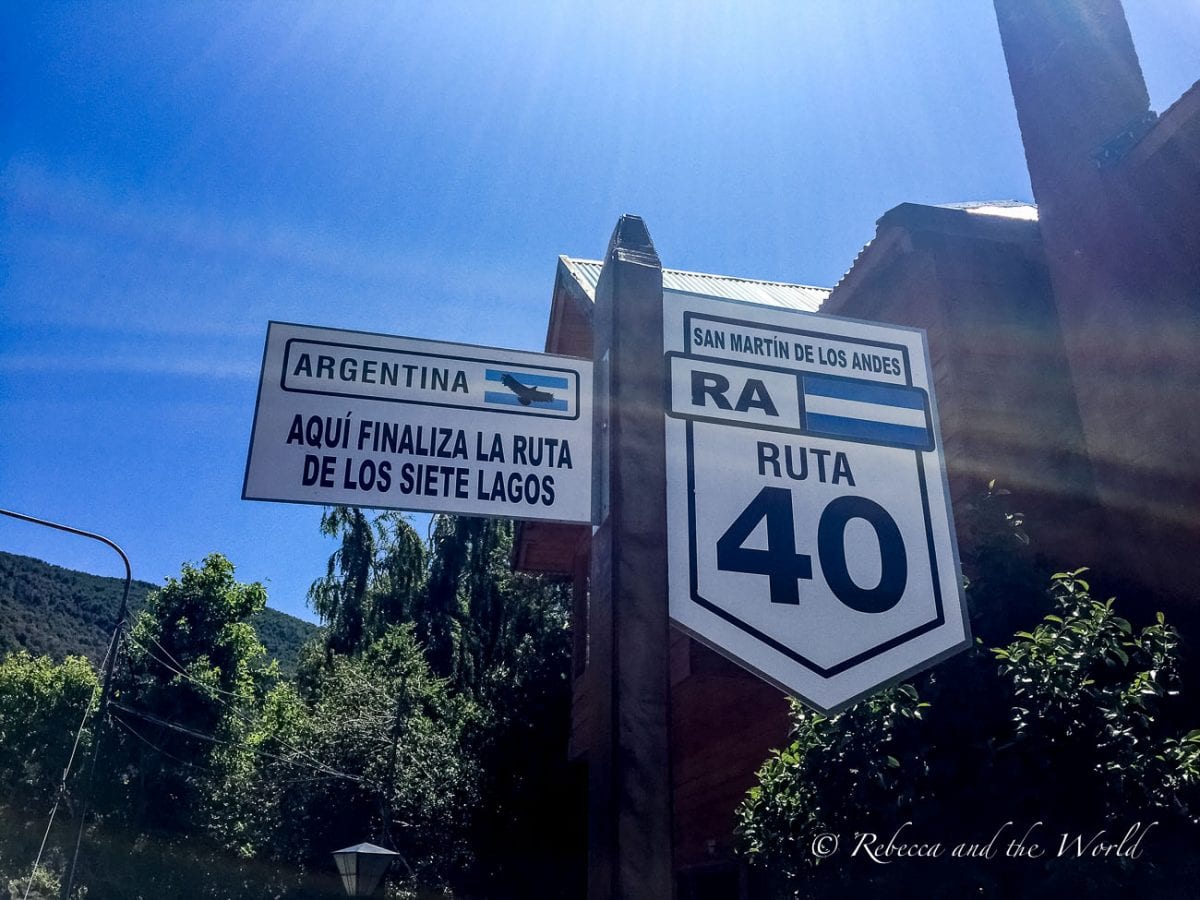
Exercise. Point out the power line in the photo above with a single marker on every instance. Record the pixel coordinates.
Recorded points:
(62, 786)
(179, 670)
(153, 746)
(110, 658)
(199, 735)
(178, 667)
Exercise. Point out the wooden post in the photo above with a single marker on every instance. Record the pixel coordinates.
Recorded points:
(629, 774)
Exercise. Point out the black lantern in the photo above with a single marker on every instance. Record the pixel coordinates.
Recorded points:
(362, 867)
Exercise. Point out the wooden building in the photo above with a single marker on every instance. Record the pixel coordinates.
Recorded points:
(1063, 340)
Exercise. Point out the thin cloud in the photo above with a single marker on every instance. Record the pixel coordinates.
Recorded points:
(84, 255)
(166, 364)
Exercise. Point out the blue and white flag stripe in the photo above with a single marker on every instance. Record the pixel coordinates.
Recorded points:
(893, 414)
(529, 379)
(514, 400)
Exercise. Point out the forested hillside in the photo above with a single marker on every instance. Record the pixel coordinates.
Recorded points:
(429, 715)
(50, 610)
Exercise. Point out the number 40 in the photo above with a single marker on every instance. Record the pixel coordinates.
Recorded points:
(784, 567)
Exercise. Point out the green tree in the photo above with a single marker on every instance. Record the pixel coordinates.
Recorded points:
(185, 689)
(478, 617)
(529, 831)
(499, 641)
(185, 693)
(398, 575)
(503, 639)
(339, 597)
(42, 704)
(1086, 682)
(470, 586)
(455, 541)
(381, 752)
(372, 581)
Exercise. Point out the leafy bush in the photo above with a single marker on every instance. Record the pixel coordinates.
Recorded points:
(42, 884)
(1086, 682)
(1067, 730)
(41, 708)
(379, 753)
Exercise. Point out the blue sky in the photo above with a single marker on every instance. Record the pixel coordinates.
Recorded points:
(175, 174)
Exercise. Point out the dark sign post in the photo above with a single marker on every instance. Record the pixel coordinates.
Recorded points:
(629, 772)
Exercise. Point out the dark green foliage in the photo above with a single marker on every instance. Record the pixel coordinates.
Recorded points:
(478, 616)
(838, 775)
(514, 656)
(41, 708)
(22, 829)
(1089, 684)
(454, 542)
(186, 690)
(282, 635)
(500, 641)
(119, 865)
(430, 714)
(398, 575)
(185, 699)
(1005, 578)
(1067, 725)
(59, 612)
(192, 660)
(372, 581)
(381, 753)
(340, 597)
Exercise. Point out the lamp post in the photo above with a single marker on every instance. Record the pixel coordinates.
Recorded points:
(362, 867)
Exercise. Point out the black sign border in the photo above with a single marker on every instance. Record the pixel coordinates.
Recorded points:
(541, 414)
(831, 671)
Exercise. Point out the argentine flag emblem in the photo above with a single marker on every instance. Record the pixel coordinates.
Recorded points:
(894, 415)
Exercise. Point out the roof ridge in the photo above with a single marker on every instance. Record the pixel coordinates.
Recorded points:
(791, 284)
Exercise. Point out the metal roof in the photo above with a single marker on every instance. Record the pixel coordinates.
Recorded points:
(1007, 209)
(768, 293)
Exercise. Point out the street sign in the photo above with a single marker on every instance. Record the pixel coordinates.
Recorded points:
(810, 536)
(346, 417)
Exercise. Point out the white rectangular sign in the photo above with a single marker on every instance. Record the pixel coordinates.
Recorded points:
(347, 417)
(809, 527)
